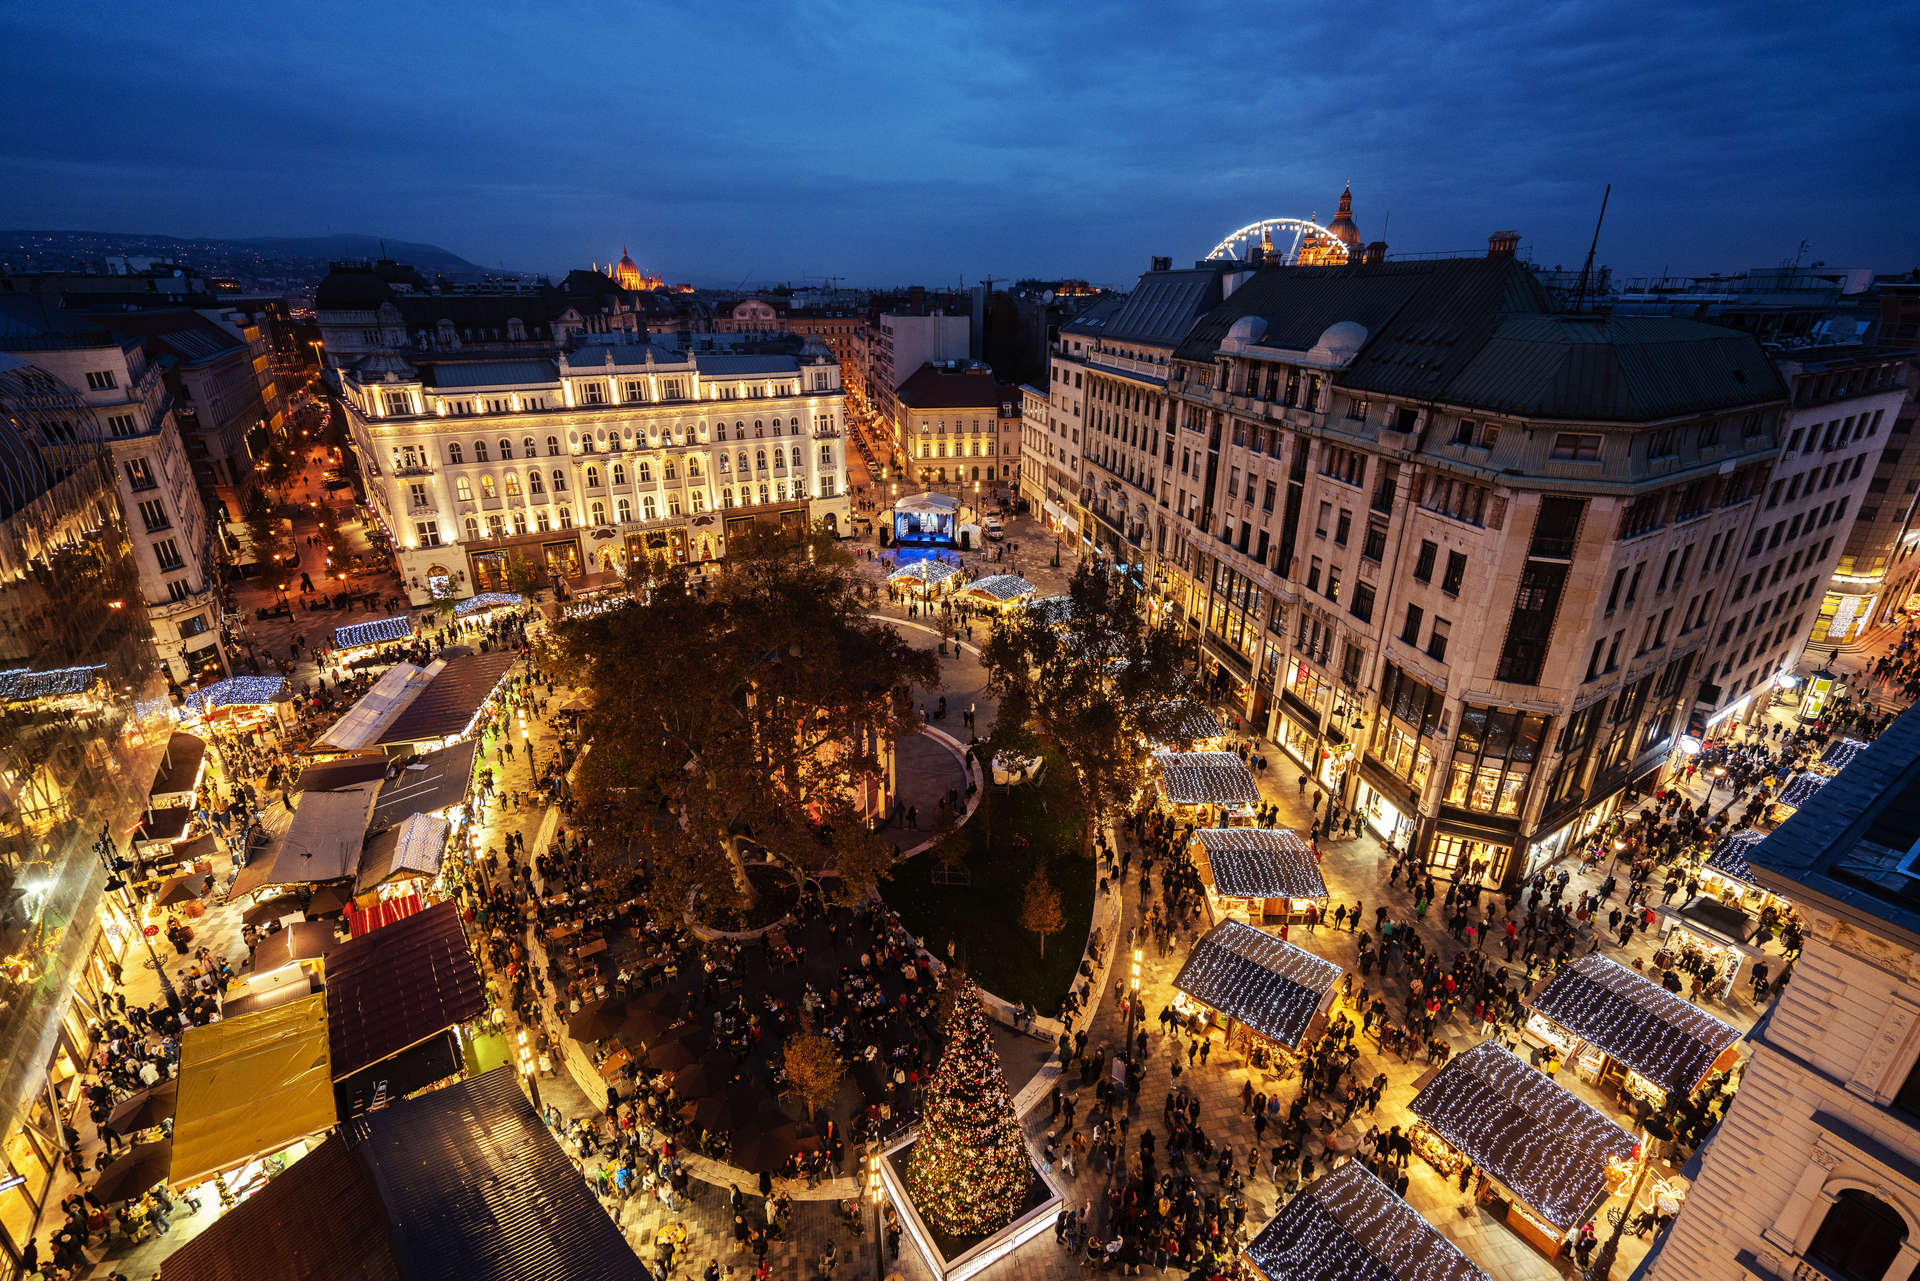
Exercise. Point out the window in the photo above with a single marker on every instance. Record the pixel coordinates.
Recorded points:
(559, 481)
(1437, 640)
(1493, 758)
(121, 426)
(1456, 573)
(139, 474)
(513, 484)
(1362, 604)
(506, 448)
(1343, 528)
(535, 485)
(487, 488)
(1410, 630)
(463, 489)
(633, 389)
(168, 555)
(479, 451)
(593, 393)
(1580, 447)
(1423, 563)
(454, 454)
(154, 513)
(1375, 545)
(553, 447)
(623, 510)
(1859, 1239)
(619, 473)
(101, 380)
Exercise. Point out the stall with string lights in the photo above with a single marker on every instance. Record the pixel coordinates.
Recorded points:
(1617, 1028)
(1185, 724)
(1262, 875)
(926, 577)
(1545, 1158)
(1797, 791)
(1195, 785)
(999, 591)
(1263, 993)
(1727, 875)
(379, 631)
(1349, 1226)
(1837, 756)
(241, 703)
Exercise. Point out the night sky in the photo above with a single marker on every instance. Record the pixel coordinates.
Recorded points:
(902, 142)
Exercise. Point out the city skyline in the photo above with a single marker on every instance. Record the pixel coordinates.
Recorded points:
(958, 145)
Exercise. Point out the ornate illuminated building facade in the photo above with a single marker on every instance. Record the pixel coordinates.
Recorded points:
(575, 463)
(627, 274)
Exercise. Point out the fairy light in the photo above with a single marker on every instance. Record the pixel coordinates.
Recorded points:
(1799, 790)
(1002, 587)
(1264, 982)
(1730, 853)
(480, 602)
(379, 631)
(1261, 862)
(237, 691)
(1526, 1131)
(1671, 1042)
(1346, 1224)
(1840, 755)
(1206, 778)
(929, 572)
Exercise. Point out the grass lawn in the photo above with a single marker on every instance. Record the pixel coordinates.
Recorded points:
(983, 917)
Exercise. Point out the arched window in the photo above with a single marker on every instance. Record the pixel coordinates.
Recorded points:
(593, 477)
(720, 462)
(534, 484)
(744, 464)
(566, 518)
(513, 484)
(763, 494)
(623, 509)
(463, 489)
(760, 459)
(599, 511)
(530, 448)
(619, 473)
(559, 481)
(487, 488)
(473, 530)
(719, 431)
(693, 465)
(519, 521)
(553, 446)
(506, 448)
(541, 521)
(726, 496)
(976, 473)
(758, 431)
(794, 458)
(646, 472)
(648, 510)
(453, 452)
(1859, 1239)
(666, 469)
(479, 451)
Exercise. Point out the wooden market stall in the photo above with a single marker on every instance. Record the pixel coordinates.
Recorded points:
(1797, 791)
(1545, 1158)
(378, 631)
(925, 578)
(1263, 991)
(1195, 784)
(1617, 1028)
(999, 591)
(1838, 756)
(1264, 875)
(1726, 874)
(1349, 1226)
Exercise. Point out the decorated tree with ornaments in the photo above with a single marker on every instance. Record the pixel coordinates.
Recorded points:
(969, 1173)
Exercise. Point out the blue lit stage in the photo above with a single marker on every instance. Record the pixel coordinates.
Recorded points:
(925, 520)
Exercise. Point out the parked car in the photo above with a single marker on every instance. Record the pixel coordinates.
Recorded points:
(994, 528)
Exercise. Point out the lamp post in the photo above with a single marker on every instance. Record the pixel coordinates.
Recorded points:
(1133, 997)
(1713, 781)
(873, 1195)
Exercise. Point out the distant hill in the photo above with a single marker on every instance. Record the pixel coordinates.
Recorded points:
(428, 258)
(292, 264)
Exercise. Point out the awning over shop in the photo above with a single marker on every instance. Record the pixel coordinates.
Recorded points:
(1349, 1226)
(1257, 979)
(1206, 778)
(383, 913)
(362, 724)
(412, 849)
(1060, 516)
(250, 1086)
(1672, 1042)
(321, 843)
(301, 941)
(398, 986)
(429, 783)
(376, 632)
(1261, 862)
(1549, 1148)
(451, 698)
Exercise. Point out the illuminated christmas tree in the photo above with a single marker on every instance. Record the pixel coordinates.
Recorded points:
(969, 1173)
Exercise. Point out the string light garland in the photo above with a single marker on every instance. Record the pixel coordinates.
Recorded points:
(1261, 862)
(930, 572)
(1057, 610)
(1670, 1041)
(1264, 982)
(1002, 587)
(19, 684)
(1349, 1226)
(1182, 721)
(1206, 778)
(380, 630)
(1799, 790)
(969, 1173)
(1840, 755)
(481, 602)
(237, 691)
(1730, 853)
(1548, 1147)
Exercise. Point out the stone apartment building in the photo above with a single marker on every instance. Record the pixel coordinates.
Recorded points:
(579, 461)
(1458, 554)
(1815, 1171)
(959, 426)
(1058, 443)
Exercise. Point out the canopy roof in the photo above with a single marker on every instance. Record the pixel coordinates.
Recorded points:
(321, 843)
(23, 684)
(929, 572)
(1527, 1131)
(1840, 754)
(1800, 789)
(362, 724)
(481, 602)
(1057, 610)
(398, 985)
(250, 1086)
(179, 769)
(1730, 853)
(1670, 1041)
(1206, 778)
(411, 849)
(430, 782)
(1349, 1226)
(476, 1189)
(237, 691)
(927, 501)
(1261, 862)
(356, 635)
(456, 690)
(301, 941)
(1001, 586)
(1185, 721)
(1266, 983)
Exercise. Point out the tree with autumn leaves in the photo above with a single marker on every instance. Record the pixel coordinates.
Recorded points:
(969, 1172)
(740, 713)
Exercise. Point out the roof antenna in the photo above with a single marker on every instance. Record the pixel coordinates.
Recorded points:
(1586, 272)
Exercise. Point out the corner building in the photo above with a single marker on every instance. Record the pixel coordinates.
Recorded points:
(579, 461)
(1460, 556)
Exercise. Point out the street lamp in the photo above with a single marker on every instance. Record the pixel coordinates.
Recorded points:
(1719, 772)
(873, 1194)
(1133, 996)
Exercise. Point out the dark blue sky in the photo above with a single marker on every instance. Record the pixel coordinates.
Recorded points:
(893, 142)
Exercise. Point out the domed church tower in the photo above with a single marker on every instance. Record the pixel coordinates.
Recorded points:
(1343, 226)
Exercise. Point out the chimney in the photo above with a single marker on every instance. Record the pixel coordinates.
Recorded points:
(1503, 244)
(1376, 252)
(1161, 264)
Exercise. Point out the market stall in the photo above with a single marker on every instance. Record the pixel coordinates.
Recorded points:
(1545, 1158)
(240, 703)
(1726, 874)
(481, 603)
(1185, 725)
(1838, 755)
(999, 591)
(251, 1088)
(1616, 1028)
(402, 856)
(1262, 875)
(378, 631)
(1349, 1226)
(1196, 784)
(1261, 991)
(1797, 791)
(1057, 610)
(926, 577)
(182, 766)
(1700, 955)
(323, 841)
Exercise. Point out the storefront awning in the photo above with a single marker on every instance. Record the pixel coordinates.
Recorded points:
(1523, 1129)
(1261, 862)
(1671, 1042)
(398, 986)
(250, 1086)
(1349, 1226)
(1206, 778)
(1257, 979)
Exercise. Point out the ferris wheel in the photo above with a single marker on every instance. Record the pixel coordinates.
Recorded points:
(1288, 235)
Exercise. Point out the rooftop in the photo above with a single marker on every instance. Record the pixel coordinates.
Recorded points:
(1259, 862)
(970, 387)
(1672, 1042)
(1349, 1226)
(1259, 979)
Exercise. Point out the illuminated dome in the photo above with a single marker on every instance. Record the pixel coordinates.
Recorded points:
(628, 274)
(1342, 225)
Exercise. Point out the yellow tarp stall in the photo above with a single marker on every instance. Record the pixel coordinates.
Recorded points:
(250, 1086)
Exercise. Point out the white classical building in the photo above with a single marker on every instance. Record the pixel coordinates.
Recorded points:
(1815, 1172)
(578, 461)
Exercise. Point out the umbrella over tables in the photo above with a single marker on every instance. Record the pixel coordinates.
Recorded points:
(329, 899)
(656, 1000)
(646, 1026)
(180, 889)
(136, 1170)
(764, 1149)
(271, 909)
(672, 1054)
(596, 1022)
(713, 1072)
(732, 1110)
(145, 1108)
